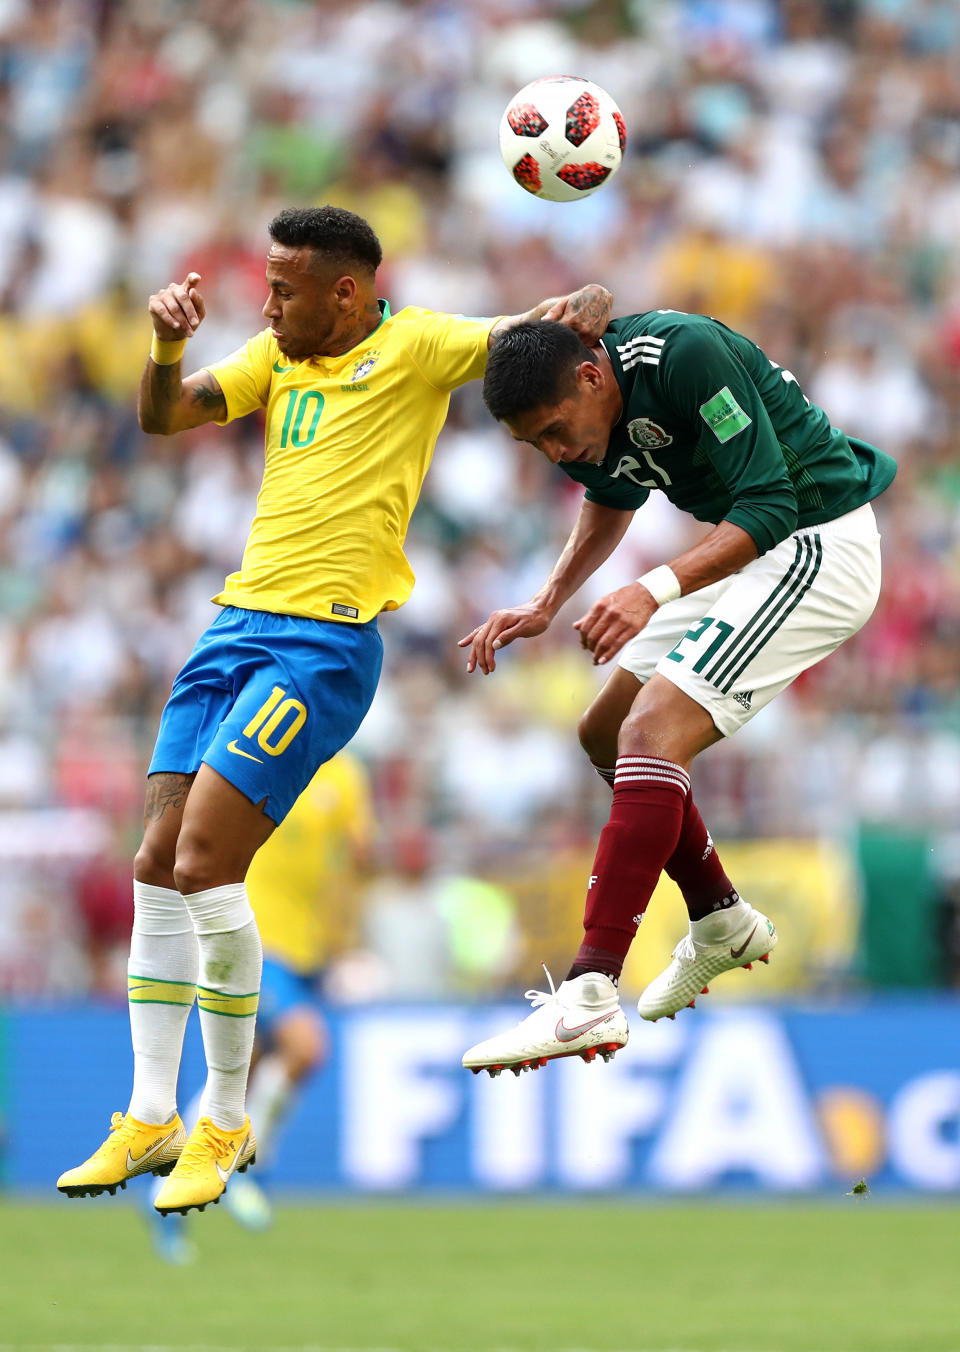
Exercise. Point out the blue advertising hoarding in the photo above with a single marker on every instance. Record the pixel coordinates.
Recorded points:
(768, 1098)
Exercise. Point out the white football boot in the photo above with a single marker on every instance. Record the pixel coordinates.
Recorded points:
(581, 1017)
(736, 937)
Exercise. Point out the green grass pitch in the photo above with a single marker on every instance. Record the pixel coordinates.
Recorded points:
(491, 1276)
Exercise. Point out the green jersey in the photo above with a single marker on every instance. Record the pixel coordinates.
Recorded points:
(724, 432)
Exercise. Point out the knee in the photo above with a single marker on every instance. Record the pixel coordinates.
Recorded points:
(154, 866)
(197, 867)
(644, 734)
(598, 740)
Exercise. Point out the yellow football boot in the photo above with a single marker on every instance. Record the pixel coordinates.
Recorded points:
(131, 1148)
(203, 1171)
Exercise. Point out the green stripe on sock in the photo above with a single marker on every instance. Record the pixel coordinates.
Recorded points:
(230, 1006)
(148, 990)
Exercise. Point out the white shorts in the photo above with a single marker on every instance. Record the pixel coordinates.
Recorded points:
(733, 645)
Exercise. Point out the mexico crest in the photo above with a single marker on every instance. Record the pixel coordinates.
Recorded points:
(648, 435)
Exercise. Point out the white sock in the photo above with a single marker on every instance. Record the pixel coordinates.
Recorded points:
(268, 1101)
(228, 988)
(161, 988)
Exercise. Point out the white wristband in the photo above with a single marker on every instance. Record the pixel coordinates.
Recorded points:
(661, 583)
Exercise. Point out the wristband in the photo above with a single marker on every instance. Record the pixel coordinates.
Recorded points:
(661, 583)
(167, 353)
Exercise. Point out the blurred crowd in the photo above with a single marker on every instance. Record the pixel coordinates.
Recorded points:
(793, 168)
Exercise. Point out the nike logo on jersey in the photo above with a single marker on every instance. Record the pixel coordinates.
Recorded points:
(565, 1034)
(239, 751)
(225, 1173)
(147, 1154)
(739, 952)
(281, 369)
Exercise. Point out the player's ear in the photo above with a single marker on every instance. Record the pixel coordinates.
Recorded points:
(345, 291)
(588, 373)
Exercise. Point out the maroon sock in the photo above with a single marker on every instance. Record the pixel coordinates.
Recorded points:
(696, 868)
(639, 837)
(607, 775)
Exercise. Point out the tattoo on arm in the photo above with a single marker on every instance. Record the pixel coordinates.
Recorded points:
(209, 396)
(165, 791)
(165, 380)
(591, 306)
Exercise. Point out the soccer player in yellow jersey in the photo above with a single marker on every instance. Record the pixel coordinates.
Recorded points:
(354, 397)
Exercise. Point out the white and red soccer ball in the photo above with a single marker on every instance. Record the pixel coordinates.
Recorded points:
(562, 137)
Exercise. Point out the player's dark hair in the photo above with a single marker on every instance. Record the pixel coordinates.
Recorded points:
(339, 236)
(530, 366)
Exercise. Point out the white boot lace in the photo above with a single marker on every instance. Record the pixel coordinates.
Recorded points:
(685, 953)
(538, 998)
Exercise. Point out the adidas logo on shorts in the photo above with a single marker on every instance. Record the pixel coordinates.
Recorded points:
(744, 698)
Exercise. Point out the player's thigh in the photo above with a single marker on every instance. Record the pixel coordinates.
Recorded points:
(220, 832)
(599, 728)
(780, 615)
(164, 803)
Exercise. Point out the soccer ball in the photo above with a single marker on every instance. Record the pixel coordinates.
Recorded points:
(562, 137)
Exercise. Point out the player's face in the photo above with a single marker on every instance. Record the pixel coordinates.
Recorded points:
(575, 430)
(305, 309)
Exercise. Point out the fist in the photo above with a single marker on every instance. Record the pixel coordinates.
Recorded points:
(177, 310)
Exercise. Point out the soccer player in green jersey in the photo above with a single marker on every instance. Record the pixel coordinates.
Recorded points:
(680, 403)
(354, 399)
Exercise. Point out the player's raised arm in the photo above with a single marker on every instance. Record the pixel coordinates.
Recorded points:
(167, 402)
(586, 311)
(595, 535)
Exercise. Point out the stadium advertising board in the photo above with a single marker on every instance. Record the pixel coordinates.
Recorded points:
(753, 1098)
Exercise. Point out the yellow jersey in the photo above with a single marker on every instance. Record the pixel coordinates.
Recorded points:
(348, 442)
(307, 870)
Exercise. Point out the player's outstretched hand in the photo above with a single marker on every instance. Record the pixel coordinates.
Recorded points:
(177, 310)
(502, 628)
(586, 311)
(614, 619)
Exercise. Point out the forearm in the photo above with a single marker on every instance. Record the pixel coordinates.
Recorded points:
(726, 550)
(169, 404)
(161, 390)
(587, 311)
(596, 534)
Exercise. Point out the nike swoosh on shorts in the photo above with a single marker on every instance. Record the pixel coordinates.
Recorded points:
(239, 751)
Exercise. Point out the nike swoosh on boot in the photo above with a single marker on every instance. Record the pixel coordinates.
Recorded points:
(565, 1034)
(739, 952)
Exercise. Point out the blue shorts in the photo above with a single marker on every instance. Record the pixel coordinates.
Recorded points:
(283, 989)
(266, 699)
